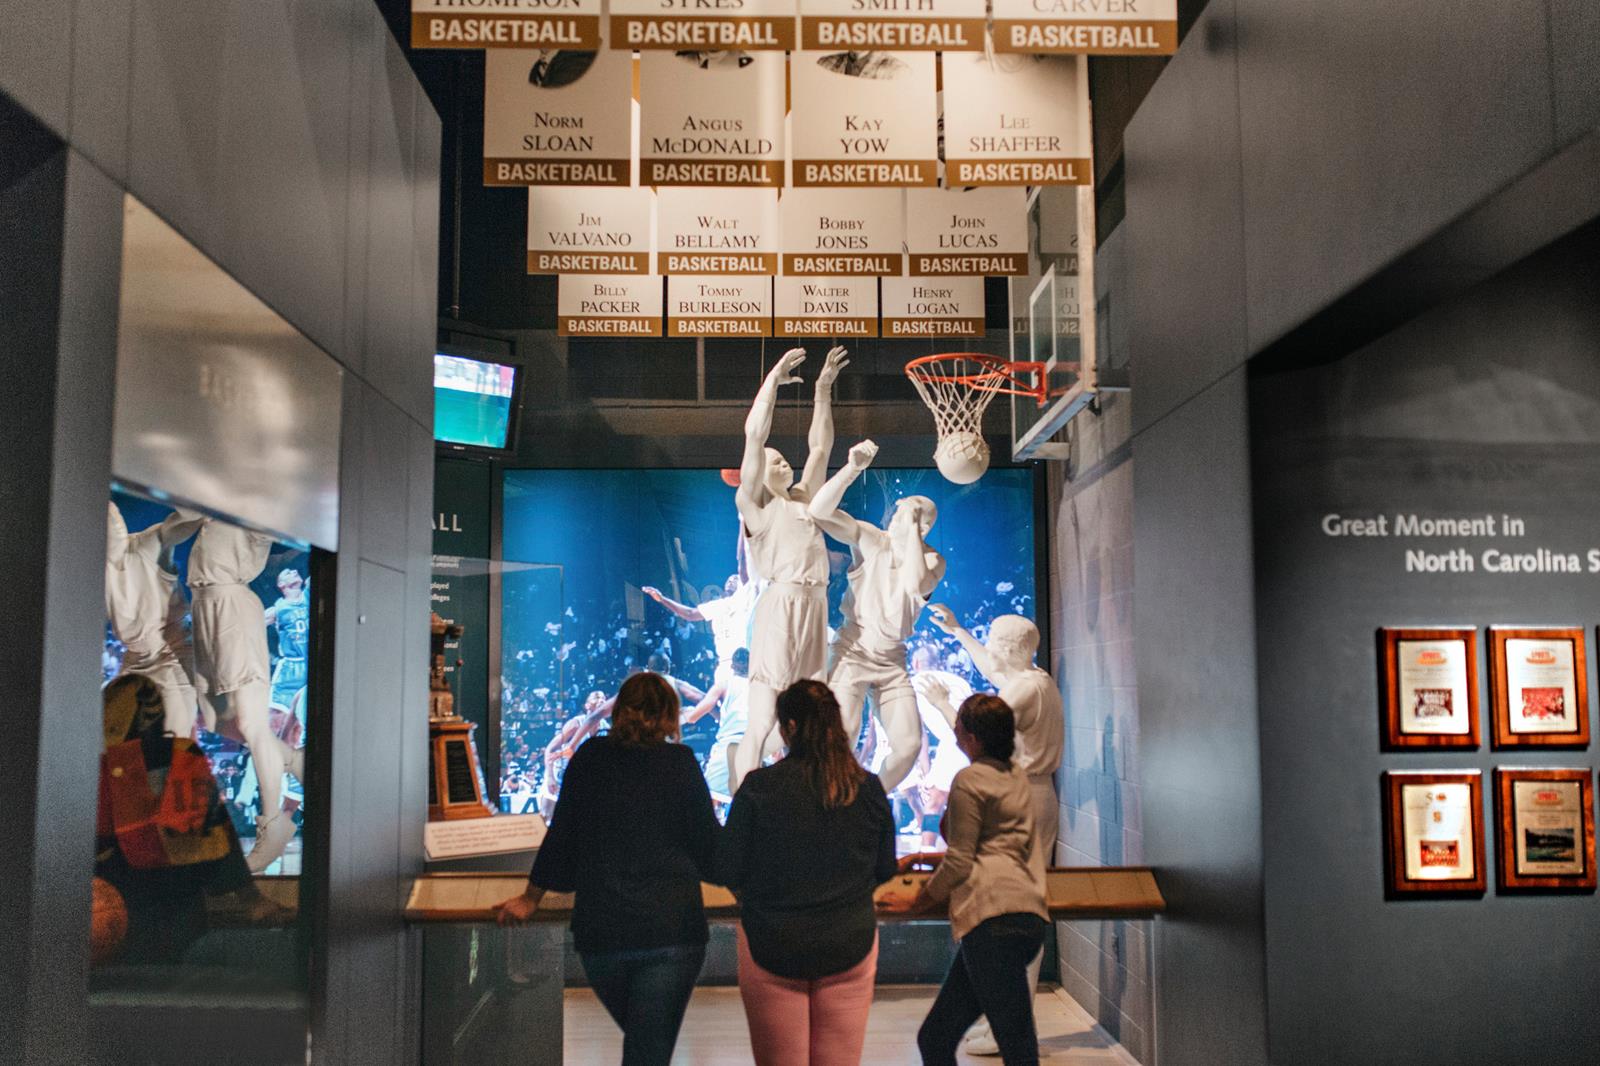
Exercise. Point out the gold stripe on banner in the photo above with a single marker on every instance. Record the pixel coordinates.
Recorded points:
(753, 172)
(847, 265)
(588, 262)
(703, 326)
(967, 265)
(1080, 37)
(933, 327)
(556, 172)
(1018, 172)
(752, 33)
(619, 326)
(835, 173)
(463, 30)
(718, 262)
(827, 327)
(823, 32)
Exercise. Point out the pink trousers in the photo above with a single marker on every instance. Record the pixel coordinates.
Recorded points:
(806, 1023)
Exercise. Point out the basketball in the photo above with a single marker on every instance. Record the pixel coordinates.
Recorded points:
(962, 457)
(730, 477)
(108, 926)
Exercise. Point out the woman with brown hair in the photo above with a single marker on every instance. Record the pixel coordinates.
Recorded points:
(808, 840)
(633, 835)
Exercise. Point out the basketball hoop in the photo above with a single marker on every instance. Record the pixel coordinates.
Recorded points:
(958, 387)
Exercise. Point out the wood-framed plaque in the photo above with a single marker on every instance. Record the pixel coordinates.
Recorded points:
(1433, 832)
(1429, 681)
(1545, 821)
(1539, 687)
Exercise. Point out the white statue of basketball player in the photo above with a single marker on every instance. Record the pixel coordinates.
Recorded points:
(892, 572)
(140, 579)
(232, 669)
(789, 628)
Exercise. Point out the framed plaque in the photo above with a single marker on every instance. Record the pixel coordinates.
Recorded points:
(1433, 832)
(1539, 683)
(1429, 680)
(1546, 829)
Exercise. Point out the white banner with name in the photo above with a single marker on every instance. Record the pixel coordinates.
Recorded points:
(1016, 120)
(826, 307)
(711, 118)
(904, 25)
(967, 232)
(1087, 27)
(683, 25)
(933, 307)
(557, 118)
(506, 24)
(843, 231)
(590, 231)
(717, 231)
(864, 118)
(622, 305)
(719, 307)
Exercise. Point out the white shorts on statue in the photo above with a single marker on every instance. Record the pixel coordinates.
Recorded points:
(789, 635)
(230, 639)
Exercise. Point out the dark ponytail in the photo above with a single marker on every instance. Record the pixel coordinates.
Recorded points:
(809, 716)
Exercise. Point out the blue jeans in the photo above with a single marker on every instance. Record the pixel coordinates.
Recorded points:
(646, 993)
(989, 977)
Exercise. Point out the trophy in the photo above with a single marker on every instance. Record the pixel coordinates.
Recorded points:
(455, 778)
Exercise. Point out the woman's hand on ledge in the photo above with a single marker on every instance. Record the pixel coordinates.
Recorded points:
(519, 909)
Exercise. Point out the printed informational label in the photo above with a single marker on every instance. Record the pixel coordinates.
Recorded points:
(616, 306)
(711, 118)
(557, 118)
(681, 25)
(827, 307)
(1542, 686)
(864, 118)
(590, 231)
(838, 232)
(1438, 832)
(1087, 27)
(967, 232)
(465, 837)
(903, 25)
(1549, 828)
(506, 24)
(1433, 687)
(719, 306)
(932, 307)
(1016, 120)
(717, 231)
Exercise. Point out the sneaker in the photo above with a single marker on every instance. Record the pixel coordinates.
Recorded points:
(980, 1041)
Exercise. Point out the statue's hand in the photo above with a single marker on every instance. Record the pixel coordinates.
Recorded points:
(653, 592)
(943, 618)
(861, 456)
(782, 372)
(932, 689)
(836, 361)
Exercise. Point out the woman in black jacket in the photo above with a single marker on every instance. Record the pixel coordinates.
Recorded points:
(632, 835)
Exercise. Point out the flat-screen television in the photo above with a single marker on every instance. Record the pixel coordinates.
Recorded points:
(474, 402)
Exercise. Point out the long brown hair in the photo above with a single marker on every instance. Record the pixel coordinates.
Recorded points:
(646, 711)
(809, 717)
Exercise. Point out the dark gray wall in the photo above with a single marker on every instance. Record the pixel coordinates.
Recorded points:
(290, 142)
(1489, 404)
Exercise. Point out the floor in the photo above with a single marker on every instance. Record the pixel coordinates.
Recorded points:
(714, 1033)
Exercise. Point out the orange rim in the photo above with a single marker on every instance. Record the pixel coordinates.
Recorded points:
(999, 376)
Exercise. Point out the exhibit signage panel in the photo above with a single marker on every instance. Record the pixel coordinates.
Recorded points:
(864, 118)
(1087, 27)
(711, 118)
(717, 231)
(574, 230)
(1016, 120)
(909, 25)
(827, 307)
(627, 305)
(932, 307)
(505, 24)
(679, 25)
(967, 232)
(719, 306)
(837, 231)
(557, 118)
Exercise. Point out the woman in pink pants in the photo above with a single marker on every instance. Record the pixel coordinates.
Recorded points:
(807, 842)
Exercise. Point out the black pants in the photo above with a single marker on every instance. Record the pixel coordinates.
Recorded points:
(646, 993)
(989, 977)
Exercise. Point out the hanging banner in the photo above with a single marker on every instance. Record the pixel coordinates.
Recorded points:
(933, 307)
(908, 25)
(557, 118)
(1087, 27)
(711, 118)
(590, 231)
(1016, 120)
(967, 232)
(676, 25)
(717, 231)
(826, 307)
(505, 24)
(864, 118)
(843, 231)
(719, 307)
(619, 306)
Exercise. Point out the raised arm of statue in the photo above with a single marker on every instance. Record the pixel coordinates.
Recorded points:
(752, 493)
(820, 440)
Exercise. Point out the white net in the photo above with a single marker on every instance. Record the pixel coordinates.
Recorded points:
(958, 389)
